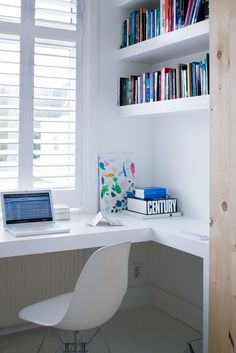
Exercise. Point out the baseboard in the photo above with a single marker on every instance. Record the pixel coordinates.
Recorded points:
(172, 305)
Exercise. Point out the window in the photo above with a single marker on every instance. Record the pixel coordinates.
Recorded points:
(39, 144)
(9, 110)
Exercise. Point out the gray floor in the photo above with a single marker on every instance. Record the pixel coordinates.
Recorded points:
(140, 330)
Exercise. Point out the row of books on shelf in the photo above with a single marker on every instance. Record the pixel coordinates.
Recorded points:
(170, 15)
(152, 201)
(186, 80)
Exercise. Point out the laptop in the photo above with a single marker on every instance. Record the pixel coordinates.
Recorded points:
(27, 213)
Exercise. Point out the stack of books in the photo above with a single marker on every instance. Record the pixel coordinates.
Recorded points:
(152, 201)
(186, 80)
(170, 15)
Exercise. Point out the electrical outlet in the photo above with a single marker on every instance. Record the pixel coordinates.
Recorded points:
(137, 270)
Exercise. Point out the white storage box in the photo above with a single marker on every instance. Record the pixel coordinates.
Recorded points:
(62, 212)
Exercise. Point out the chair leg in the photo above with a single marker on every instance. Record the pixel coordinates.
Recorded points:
(59, 341)
(105, 340)
(42, 341)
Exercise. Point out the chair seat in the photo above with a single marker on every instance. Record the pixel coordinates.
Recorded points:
(48, 312)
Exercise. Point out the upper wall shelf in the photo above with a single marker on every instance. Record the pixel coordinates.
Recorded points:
(134, 3)
(174, 107)
(179, 43)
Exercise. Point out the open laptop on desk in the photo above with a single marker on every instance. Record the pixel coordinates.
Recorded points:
(27, 213)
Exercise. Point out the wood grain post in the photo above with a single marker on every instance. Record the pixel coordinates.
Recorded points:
(222, 304)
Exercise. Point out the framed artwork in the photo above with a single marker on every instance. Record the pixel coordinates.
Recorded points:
(116, 180)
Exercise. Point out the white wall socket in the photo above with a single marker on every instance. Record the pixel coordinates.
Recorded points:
(136, 270)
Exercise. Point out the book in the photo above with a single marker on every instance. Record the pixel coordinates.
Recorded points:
(183, 77)
(124, 100)
(143, 24)
(173, 14)
(147, 87)
(186, 80)
(189, 80)
(154, 216)
(193, 6)
(186, 21)
(150, 193)
(162, 15)
(196, 11)
(152, 207)
(157, 20)
(207, 74)
(178, 81)
(151, 87)
(164, 82)
(206, 9)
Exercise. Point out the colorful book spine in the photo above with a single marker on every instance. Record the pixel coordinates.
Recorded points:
(193, 6)
(147, 87)
(189, 80)
(150, 193)
(143, 24)
(196, 11)
(163, 15)
(186, 80)
(173, 19)
(186, 21)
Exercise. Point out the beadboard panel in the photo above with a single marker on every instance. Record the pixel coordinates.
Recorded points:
(29, 279)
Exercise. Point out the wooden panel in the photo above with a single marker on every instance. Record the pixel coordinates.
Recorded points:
(222, 326)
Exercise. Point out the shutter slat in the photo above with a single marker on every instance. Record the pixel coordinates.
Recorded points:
(9, 107)
(10, 10)
(57, 14)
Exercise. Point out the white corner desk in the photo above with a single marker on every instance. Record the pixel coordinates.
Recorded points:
(180, 233)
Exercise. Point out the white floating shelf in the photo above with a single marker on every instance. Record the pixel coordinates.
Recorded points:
(134, 3)
(192, 105)
(184, 41)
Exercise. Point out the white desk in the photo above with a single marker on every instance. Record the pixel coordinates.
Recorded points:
(172, 232)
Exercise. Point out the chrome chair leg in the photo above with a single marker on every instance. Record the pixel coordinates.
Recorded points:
(105, 340)
(42, 341)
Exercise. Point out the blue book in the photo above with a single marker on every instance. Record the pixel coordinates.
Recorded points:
(194, 80)
(179, 14)
(157, 14)
(147, 88)
(196, 11)
(133, 27)
(150, 193)
(153, 23)
(151, 87)
(149, 24)
(128, 97)
(141, 89)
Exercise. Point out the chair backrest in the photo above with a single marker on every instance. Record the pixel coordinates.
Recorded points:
(100, 288)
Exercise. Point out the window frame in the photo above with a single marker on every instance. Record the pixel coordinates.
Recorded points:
(28, 31)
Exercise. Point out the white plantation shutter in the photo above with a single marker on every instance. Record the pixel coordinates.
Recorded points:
(54, 114)
(56, 13)
(9, 110)
(38, 97)
(10, 10)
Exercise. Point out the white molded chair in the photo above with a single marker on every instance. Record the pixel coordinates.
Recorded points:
(97, 296)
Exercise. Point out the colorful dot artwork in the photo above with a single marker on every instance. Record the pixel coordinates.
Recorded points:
(116, 179)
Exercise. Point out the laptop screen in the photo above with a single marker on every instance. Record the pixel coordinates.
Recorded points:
(27, 207)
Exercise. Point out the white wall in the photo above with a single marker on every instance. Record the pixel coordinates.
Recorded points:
(171, 152)
(181, 155)
(177, 273)
(180, 161)
(110, 133)
(117, 134)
